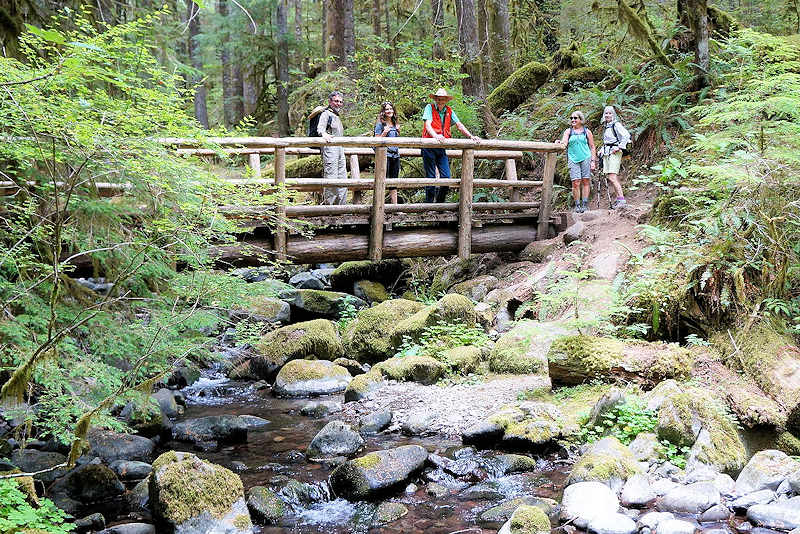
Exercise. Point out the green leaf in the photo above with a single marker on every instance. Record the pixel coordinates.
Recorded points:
(88, 46)
(48, 35)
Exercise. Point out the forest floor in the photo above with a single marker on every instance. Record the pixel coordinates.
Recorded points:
(450, 407)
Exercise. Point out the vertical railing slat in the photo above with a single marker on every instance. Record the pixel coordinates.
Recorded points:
(465, 204)
(255, 164)
(546, 208)
(280, 209)
(378, 197)
(355, 174)
(511, 174)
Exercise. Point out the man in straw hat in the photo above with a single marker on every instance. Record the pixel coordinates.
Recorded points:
(437, 126)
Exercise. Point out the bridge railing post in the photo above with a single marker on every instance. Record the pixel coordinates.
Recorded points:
(255, 164)
(465, 204)
(355, 174)
(378, 196)
(546, 204)
(280, 208)
(511, 174)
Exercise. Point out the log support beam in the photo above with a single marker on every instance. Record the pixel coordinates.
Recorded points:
(280, 209)
(546, 205)
(465, 204)
(378, 200)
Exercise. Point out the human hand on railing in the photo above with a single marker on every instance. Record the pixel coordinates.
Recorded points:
(475, 138)
(327, 137)
(440, 138)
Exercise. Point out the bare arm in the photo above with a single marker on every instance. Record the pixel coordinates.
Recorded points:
(463, 130)
(592, 149)
(429, 129)
(564, 138)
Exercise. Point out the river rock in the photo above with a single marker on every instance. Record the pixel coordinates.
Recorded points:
(637, 492)
(423, 369)
(212, 428)
(521, 350)
(190, 495)
(302, 494)
(265, 506)
(604, 405)
(451, 308)
(324, 274)
(110, 446)
(718, 512)
(389, 511)
(584, 501)
(91, 523)
(306, 280)
(263, 309)
(318, 338)
(386, 271)
(744, 502)
(645, 447)
(335, 439)
(146, 418)
(784, 515)
(505, 464)
(419, 423)
(353, 367)
(539, 251)
(526, 520)
(308, 304)
(319, 409)
(89, 483)
(167, 401)
(477, 288)
(130, 528)
(367, 338)
(530, 426)
(693, 499)
(374, 422)
(611, 523)
(503, 511)
(362, 386)
(608, 461)
(31, 460)
(305, 378)
(794, 482)
(765, 470)
(675, 526)
(130, 470)
(370, 292)
(651, 520)
(483, 434)
(574, 232)
(377, 472)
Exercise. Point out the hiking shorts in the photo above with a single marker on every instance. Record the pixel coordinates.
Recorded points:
(612, 163)
(580, 169)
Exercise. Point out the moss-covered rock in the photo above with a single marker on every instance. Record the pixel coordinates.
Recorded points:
(476, 288)
(588, 77)
(187, 492)
(308, 304)
(377, 472)
(451, 308)
(462, 360)
(366, 338)
(788, 443)
(265, 506)
(503, 512)
(370, 292)
(262, 308)
(362, 385)
(695, 418)
(529, 426)
(538, 251)
(606, 461)
(577, 359)
(305, 167)
(521, 350)
(144, 416)
(387, 272)
(305, 378)
(518, 87)
(389, 511)
(318, 338)
(529, 520)
(422, 369)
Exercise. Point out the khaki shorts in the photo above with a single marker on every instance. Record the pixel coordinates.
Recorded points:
(612, 163)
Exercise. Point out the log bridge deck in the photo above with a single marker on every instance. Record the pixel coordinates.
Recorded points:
(378, 229)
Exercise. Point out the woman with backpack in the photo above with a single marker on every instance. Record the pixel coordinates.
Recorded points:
(615, 144)
(386, 126)
(581, 159)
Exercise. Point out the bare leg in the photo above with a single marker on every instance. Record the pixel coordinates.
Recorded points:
(612, 177)
(585, 182)
(576, 191)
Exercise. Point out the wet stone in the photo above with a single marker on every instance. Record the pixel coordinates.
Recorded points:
(374, 422)
(389, 511)
(675, 526)
(719, 512)
(130, 528)
(129, 470)
(744, 502)
(612, 523)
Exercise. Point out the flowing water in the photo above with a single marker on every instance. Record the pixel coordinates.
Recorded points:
(273, 454)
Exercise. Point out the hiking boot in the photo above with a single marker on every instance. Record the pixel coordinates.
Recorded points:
(619, 203)
(579, 208)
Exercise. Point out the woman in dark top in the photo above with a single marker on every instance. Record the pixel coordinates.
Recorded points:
(387, 127)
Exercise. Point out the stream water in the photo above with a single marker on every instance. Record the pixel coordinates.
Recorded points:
(274, 454)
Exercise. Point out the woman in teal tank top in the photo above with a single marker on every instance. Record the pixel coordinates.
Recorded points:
(581, 159)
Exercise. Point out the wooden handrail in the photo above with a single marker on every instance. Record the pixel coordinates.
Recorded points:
(309, 210)
(304, 184)
(354, 151)
(370, 142)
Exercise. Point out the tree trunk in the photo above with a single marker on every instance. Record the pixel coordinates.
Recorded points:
(499, 31)
(467, 30)
(301, 60)
(200, 104)
(693, 14)
(282, 62)
(334, 26)
(349, 33)
(437, 21)
(228, 92)
(483, 38)
(237, 93)
(376, 18)
(250, 91)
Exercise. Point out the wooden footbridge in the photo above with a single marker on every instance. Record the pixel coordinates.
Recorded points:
(377, 229)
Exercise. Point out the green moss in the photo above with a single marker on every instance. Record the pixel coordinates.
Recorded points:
(372, 291)
(463, 360)
(531, 423)
(722, 22)
(306, 167)
(303, 370)
(606, 460)
(366, 337)
(187, 486)
(788, 443)
(361, 385)
(513, 354)
(477, 288)
(242, 522)
(529, 520)
(385, 271)
(265, 505)
(310, 338)
(450, 308)
(262, 306)
(588, 76)
(518, 87)
(390, 511)
(368, 461)
(422, 369)
(327, 303)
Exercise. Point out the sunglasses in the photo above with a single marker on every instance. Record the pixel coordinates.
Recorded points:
(574, 118)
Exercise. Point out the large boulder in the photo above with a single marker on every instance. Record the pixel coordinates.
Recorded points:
(521, 350)
(318, 338)
(31, 460)
(305, 378)
(607, 461)
(784, 515)
(422, 369)
(387, 272)
(377, 472)
(765, 470)
(110, 446)
(363, 385)
(450, 308)
(90, 483)
(692, 499)
(584, 501)
(518, 87)
(370, 292)
(529, 426)
(335, 439)
(577, 359)
(477, 288)
(146, 418)
(463, 360)
(262, 309)
(527, 519)
(308, 304)
(218, 428)
(265, 506)
(190, 495)
(366, 339)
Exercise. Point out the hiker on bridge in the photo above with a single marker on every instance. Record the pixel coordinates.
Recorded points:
(437, 125)
(386, 126)
(615, 144)
(581, 159)
(333, 161)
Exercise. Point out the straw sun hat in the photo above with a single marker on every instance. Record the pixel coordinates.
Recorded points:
(441, 92)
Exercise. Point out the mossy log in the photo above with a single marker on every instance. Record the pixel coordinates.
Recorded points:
(518, 87)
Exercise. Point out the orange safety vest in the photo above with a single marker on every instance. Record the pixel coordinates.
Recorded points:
(436, 122)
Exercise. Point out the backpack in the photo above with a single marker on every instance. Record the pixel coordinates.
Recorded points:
(625, 151)
(313, 121)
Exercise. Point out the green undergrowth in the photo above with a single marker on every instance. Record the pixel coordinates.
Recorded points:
(437, 339)
(19, 514)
